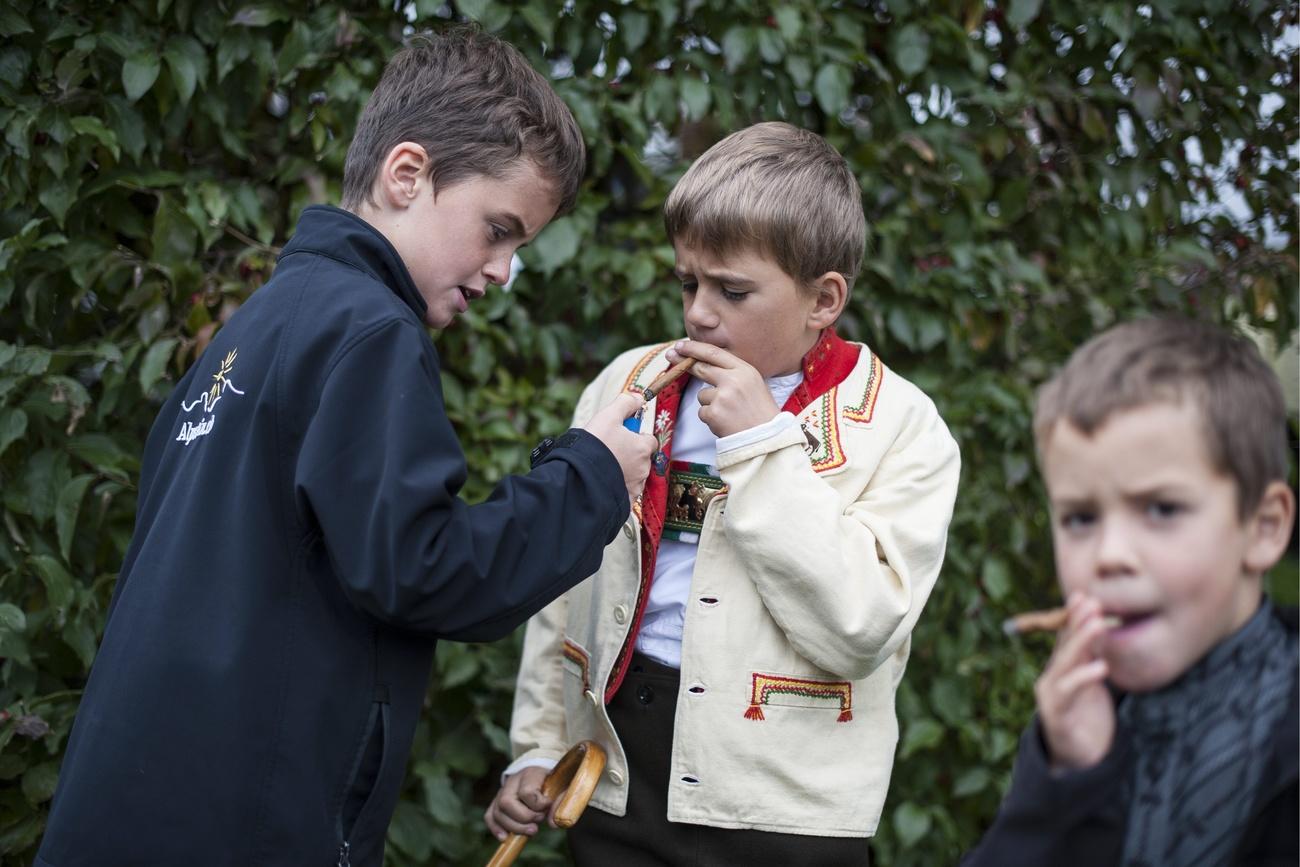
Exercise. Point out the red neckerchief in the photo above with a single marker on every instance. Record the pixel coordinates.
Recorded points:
(824, 367)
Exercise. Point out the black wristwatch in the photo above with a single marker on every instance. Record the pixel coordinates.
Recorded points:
(550, 444)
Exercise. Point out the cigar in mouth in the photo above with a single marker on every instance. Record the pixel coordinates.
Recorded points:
(662, 380)
(1050, 620)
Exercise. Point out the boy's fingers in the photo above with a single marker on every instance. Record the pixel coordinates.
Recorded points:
(1077, 678)
(1076, 644)
(706, 352)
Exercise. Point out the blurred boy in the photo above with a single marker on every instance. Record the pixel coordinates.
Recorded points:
(300, 544)
(1167, 716)
(738, 652)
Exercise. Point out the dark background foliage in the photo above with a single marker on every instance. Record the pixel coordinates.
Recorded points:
(1031, 173)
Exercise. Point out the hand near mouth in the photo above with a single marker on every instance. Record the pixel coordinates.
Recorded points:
(1075, 708)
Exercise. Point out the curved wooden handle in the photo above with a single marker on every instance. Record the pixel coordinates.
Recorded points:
(573, 779)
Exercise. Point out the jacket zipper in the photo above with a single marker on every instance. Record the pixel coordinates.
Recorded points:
(343, 854)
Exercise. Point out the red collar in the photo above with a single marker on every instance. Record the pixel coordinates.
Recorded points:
(824, 367)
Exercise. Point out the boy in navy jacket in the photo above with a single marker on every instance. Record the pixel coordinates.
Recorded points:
(1166, 724)
(300, 545)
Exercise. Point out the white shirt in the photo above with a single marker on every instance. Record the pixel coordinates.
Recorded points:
(660, 637)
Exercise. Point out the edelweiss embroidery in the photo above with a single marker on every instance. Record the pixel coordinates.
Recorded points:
(776, 690)
(221, 383)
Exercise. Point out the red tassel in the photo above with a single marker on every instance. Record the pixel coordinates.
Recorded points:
(755, 713)
(845, 716)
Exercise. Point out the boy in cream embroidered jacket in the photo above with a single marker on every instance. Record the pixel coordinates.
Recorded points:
(809, 569)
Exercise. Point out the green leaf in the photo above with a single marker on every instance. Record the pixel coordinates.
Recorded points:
(996, 578)
(295, 50)
(697, 96)
(921, 735)
(13, 424)
(832, 88)
(910, 48)
(79, 635)
(911, 823)
(57, 580)
(737, 44)
(409, 831)
(12, 618)
(94, 127)
(39, 782)
(66, 510)
(541, 18)
(259, 15)
(139, 72)
(634, 26)
(1023, 11)
(12, 23)
(155, 363)
(789, 23)
(972, 782)
(556, 244)
(58, 195)
(188, 63)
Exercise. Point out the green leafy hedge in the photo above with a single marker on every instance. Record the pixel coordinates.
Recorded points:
(1031, 172)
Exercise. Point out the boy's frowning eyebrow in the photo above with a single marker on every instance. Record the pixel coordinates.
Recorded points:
(728, 278)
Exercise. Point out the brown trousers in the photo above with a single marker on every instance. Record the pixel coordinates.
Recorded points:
(642, 713)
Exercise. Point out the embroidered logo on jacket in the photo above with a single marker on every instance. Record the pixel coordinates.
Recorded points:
(191, 430)
(775, 690)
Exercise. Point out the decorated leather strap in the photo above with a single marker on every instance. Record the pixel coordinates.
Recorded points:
(691, 487)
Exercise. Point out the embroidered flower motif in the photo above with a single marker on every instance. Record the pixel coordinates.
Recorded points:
(662, 420)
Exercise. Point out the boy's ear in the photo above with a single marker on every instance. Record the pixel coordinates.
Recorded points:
(402, 176)
(1269, 528)
(832, 293)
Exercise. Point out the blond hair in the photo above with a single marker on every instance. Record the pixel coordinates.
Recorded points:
(779, 191)
(1170, 360)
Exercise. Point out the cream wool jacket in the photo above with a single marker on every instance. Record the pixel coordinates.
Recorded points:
(812, 570)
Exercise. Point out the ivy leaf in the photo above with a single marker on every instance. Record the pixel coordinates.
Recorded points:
(556, 244)
(1022, 12)
(259, 15)
(13, 424)
(737, 45)
(58, 195)
(94, 127)
(57, 580)
(996, 578)
(921, 735)
(188, 63)
(12, 22)
(911, 49)
(634, 26)
(66, 510)
(12, 618)
(912, 823)
(697, 96)
(155, 363)
(832, 88)
(139, 72)
(39, 782)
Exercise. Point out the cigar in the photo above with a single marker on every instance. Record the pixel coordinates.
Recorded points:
(1051, 620)
(661, 381)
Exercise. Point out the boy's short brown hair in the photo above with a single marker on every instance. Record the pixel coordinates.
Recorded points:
(476, 106)
(778, 190)
(1169, 360)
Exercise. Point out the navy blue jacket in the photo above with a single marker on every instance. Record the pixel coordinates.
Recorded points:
(1078, 818)
(299, 548)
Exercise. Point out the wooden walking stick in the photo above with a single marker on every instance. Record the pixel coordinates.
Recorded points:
(573, 779)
